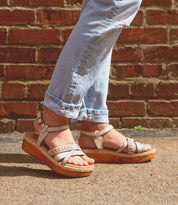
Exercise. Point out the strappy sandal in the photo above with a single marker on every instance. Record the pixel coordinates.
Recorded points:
(56, 158)
(102, 154)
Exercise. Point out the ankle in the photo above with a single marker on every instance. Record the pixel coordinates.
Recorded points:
(92, 126)
(52, 119)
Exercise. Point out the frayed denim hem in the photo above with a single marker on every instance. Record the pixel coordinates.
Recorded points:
(100, 116)
(60, 107)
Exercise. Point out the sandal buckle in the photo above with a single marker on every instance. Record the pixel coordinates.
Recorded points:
(96, 133)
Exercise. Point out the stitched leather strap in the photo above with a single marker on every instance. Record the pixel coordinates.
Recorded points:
(97, 132)
(131, 145)
(139, 147)
(98, 135)
(45, 129)
(63, 148)
(65, 151)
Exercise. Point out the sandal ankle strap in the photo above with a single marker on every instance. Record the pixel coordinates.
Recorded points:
(45, 129)
(131, 144)
(98, 135)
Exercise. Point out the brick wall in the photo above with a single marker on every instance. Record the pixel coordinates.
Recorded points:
(143, 83)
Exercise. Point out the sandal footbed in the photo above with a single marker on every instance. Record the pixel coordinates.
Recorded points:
(111, 156)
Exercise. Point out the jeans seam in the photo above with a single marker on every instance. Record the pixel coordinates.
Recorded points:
(88, 50)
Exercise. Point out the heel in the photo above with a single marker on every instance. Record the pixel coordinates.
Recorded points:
(30, 149)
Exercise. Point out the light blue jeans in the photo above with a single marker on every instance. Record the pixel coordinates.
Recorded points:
(79, 85)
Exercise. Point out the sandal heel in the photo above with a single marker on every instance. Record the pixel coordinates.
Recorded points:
(29, 148)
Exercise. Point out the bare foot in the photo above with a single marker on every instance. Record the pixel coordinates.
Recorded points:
(111, 139)
(58, 138)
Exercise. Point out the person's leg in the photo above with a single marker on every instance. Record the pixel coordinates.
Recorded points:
(82, 60)
(86, 53)
(94, 113)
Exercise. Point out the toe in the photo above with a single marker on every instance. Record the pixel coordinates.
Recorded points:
(77, 160)
(146, 147)
(80, 161)
(69, 161)
(88, 160)
(73, 161)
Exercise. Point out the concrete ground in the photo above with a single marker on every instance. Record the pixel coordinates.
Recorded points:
(24, 180)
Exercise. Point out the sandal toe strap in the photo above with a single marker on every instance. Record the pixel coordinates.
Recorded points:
(64, 152)
(123, 147)
(139, 147)
(133, 145)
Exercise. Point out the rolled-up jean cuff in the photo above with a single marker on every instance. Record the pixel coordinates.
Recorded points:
(60, 107)
(100, 116)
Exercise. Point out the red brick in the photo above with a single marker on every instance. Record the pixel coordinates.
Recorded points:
(126, 108)
(155, 35)
(167, 89)
(7, 125)
(17, 17)
(146, 35)
(35, 36)
(18, 108)
(59, 17)
(72, 2)
(1, 71)
(173, 51)
(118, 90)
(156, 3)
(36, 91)
(126, 71)
(47, 3)
(163, 108)
(48, 55)
(138, 20)
(131, 35)
(127, 54)
(67, 33)
(37, 3)
(142, 90)
(174, 35)
(25, 125)
(20, 72)
(3, 2)
(162, 17)
(171, 71)
(20, 2)
(151, 70)
(17, 55)
(115, 121)
(161, 53)
(173, 17)
(131, 122)
(2, 36)
(157, 53)
(13, 91)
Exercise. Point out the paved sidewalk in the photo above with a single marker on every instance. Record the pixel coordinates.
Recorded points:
(24, 180)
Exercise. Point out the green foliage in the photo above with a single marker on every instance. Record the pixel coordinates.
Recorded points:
(139, 127)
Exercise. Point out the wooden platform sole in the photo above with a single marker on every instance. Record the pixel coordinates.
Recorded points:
(106, 156)
(67, 170)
